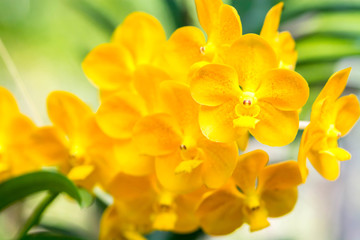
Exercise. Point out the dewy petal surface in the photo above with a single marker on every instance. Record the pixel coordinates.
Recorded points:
(118, 114)
(284, 89)
(67, 111)
(214, 84)
(248, 169)
(109, 66)
(347, 111)
(216, 123)
(142, 34)
(251, 56)
(157, 134)
(276, 127)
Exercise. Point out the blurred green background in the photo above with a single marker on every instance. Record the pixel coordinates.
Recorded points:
(47, 41)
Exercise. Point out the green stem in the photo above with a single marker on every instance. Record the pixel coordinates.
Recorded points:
(36, 216)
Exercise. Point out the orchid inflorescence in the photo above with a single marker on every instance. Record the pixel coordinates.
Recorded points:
(174, 116)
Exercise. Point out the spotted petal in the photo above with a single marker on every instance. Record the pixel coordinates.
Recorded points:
(214, 84)
(284, 89)
(251, 56)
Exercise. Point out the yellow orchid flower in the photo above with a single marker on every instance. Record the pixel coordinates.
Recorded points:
(116, 117)
(249, 94)
(259, 192)
(188, 45)
(185, 159)
(142, 205)
(75, 144)
(15, 129)
(282, 43)
(136, 42)
(116, 226)
(331, 118)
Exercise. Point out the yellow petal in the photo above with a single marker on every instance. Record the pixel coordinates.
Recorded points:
(142, 34)
(276, 127)
(325, 164)
(257, 219)
(80, 172)
(243, 140)
(147, 81)
(248, 169)
(347, 111)
(129, 188)
(271, 24)
(49, 146)
(284, 89)
(187, 166)
(176, 182)
(279, 176)
(228, 28)
(334, 86)
(251, 56)
(92, 137)
(165, 221)
(130, 161)
(115, 225)
(8, 108)
(216, 123)
(302, 155)
(183, 50)
(339, 153)
(214, 84)
(208, 12)
(4, 167)
(118, 114)
(220, 162)
(67, 111)
(109, 66)
(177, 101)
(157, 134)
(287, 53)
(186, 206)
(279, 202)
(221, 213)
(18, 130)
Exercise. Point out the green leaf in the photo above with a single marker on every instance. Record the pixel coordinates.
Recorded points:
(317, 72)
(19, 187)
(293, 8)
(48, 236)
(338, 23)
(326, 48)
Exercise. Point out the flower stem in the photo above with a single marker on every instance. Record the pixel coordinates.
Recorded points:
(303, 124)
(36, 216)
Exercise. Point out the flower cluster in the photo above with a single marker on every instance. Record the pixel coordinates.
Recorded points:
(174, 116)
